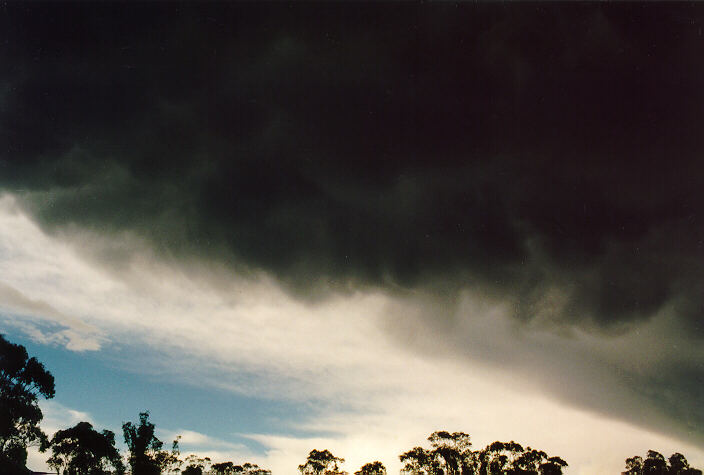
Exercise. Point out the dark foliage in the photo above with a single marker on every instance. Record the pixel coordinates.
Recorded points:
(450, 454)
(146, 456)
(81, 450)
(22, 381)
(228, 468)
(655, 464)
(196, 465)
(321, 462)
(373, 468)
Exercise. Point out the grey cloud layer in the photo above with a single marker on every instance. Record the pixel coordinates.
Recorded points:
(543, 155)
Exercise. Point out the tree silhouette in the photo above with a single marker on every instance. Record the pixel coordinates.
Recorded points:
(655, 464)
(196, 465)
(168, 461)
(223, 468)
(193, 470)
(321, 462)
(146, 456)
(228, 468)
(500, 458)
(680, 466)
(250, 469)
(142, 445)
(81, 450)
(418, 461)
(449, 454)
(373, 468)
(22, 381)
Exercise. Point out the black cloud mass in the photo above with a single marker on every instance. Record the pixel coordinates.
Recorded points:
(511, 147)
(521, 150)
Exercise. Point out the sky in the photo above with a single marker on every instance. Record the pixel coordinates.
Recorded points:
(287, 227)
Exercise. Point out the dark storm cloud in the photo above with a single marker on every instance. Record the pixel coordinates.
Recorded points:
(541, 155)
(522, 150)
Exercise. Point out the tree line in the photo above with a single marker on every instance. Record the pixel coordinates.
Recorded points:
(83, 450)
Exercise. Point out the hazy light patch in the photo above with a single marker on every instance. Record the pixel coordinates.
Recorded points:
(57, 416)
(203, 445)
(195, 439)
(591, 444)
(376, 396)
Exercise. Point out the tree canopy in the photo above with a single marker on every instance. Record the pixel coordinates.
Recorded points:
(321, 462)
(196, 465)
(655, 464)
(450, 454)
(511, 458)
(372, 468)
(81, 450)
(228, 468)
(146, 456)
(22, 381)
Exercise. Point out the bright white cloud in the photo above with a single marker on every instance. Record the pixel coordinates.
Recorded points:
(377, 396)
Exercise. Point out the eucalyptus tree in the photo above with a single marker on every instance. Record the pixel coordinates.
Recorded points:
(223, 468)
(251, 469)
(655, 464)
(229, 468)
(196, 465)
(81, 450)
(449, 454)
(146, 456)
(22, 381)
(501, 458)
(143, 446)
(322, 462)
(372, 468)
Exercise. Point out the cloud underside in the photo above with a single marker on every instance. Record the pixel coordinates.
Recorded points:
(543, 161)
(378, 375)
